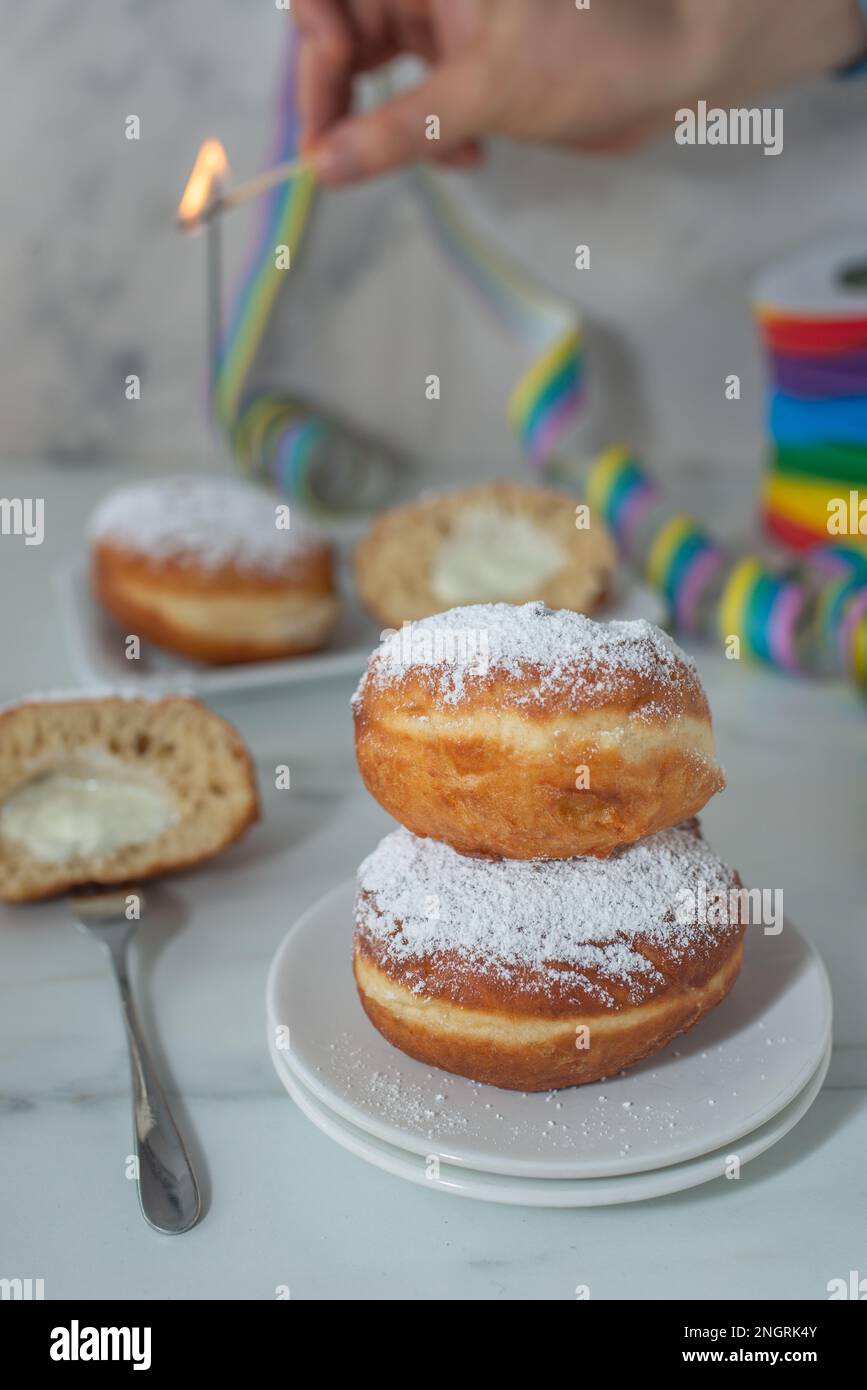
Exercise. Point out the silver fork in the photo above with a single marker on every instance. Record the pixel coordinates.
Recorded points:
(167, 1189)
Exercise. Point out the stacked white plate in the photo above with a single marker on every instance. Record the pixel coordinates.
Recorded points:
(700, 1109)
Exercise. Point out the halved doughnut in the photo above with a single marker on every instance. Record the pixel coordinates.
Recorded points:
(498, 542)
(109, 789)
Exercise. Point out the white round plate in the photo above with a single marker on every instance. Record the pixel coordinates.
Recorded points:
(737, 1068)
(547, 1192)
(96, 644)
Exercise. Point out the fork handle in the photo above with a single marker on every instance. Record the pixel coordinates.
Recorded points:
(167, 1189)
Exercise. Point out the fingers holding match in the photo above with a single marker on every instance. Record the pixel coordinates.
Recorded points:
(397, 132)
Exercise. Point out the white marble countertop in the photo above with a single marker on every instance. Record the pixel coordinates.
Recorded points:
(285, 1206)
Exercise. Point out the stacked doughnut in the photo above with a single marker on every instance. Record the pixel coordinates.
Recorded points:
(548, 913)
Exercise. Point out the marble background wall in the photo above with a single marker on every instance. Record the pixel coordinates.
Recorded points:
(95, 282)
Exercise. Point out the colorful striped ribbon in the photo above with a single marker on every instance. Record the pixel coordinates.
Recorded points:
(809, 617)
(288, 442)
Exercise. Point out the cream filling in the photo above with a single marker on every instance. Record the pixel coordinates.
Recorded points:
(493, 555)
(59, 816)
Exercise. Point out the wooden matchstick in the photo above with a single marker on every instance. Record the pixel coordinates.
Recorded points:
(261, 183)
(244, 192)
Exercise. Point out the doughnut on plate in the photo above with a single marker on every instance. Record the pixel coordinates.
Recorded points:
(95, 644)
(549, 973)
(737, 1069)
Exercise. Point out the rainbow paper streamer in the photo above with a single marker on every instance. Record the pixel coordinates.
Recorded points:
(546, 401)
(675, 555)
(763, 610)
(548, 397)
(810, 617)
(621, 493)
(272, 434)
(284, 441)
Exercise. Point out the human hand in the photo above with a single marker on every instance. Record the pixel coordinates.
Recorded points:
(605, 78)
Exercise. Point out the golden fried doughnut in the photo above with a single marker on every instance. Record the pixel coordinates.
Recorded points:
(534, 734)
(199, 565)
(541, 974)
(113, 790)
(493, 543)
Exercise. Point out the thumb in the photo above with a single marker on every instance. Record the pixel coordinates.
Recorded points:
(429, 121)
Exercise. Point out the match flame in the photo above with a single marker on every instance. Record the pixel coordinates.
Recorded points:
(211, 164)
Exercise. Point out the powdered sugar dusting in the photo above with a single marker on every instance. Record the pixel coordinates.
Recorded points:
(205, 521)
(419, 899)
(560, 648)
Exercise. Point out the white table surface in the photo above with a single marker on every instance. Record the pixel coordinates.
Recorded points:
(285, 1206)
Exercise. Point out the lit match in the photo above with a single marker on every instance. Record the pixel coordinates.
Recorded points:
(203, 188)
(204, 196)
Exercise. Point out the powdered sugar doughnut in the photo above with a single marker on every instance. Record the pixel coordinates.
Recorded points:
(534, 734)
(540, 974)
(199, 565)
